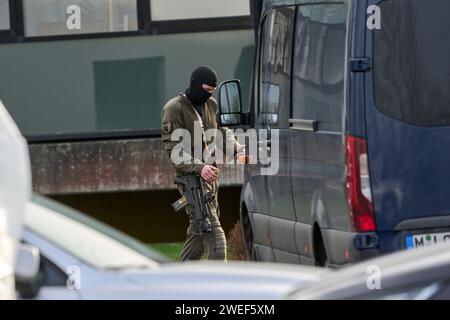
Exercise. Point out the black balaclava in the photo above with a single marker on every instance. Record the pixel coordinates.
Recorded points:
(195, 93)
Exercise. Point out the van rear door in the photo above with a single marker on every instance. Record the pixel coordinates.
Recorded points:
(408, 111)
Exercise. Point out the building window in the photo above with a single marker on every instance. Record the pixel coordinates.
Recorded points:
(163, 10)
(4, 15)
(58, 17)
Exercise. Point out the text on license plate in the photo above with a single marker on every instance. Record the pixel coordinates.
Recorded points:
(424, 240)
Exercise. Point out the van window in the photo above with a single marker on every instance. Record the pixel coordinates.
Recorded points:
(411, 61)
(276, 68)
(319, 64)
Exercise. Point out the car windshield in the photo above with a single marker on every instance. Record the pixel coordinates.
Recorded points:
(86, 239)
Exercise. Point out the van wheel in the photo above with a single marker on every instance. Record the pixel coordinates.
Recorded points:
(320, 253)
(248, 237)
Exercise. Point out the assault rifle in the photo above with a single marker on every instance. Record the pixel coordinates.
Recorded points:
(195, 196)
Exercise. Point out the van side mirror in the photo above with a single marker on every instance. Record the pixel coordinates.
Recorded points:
(27, 271)
(230, 104)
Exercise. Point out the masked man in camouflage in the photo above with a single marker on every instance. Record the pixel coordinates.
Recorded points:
(192, 108)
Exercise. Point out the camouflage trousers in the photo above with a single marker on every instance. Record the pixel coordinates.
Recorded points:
(212, 243)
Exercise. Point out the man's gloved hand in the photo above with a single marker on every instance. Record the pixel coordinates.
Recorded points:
(210, 173)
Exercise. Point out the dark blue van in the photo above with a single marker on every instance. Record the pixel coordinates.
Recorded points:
(362, 108)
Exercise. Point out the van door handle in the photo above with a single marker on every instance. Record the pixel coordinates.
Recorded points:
(303, 125)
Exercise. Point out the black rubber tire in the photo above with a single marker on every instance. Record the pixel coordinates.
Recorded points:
(321, 257)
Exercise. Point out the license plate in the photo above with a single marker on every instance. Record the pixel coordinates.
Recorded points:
(425, 240)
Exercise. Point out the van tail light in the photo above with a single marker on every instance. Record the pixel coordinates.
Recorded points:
(358, 186)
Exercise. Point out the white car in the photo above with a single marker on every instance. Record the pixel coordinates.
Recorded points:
(15, 191)
(415, 274)
(85, 259)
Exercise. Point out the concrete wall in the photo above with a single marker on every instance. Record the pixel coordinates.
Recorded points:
(108, 166)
